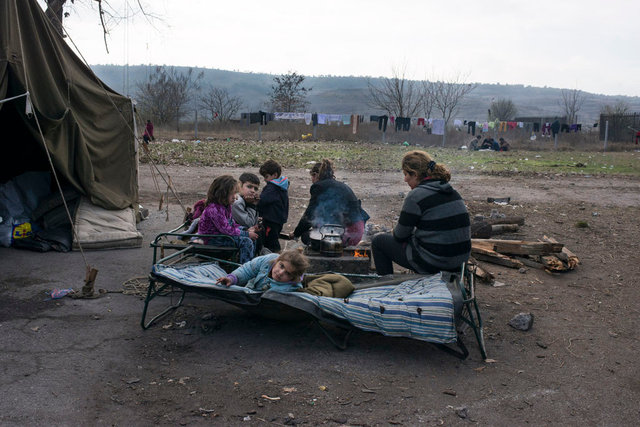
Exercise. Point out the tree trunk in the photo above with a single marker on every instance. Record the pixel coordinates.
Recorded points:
(54, 13)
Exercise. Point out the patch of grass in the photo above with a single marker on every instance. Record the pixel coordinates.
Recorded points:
(358, 156)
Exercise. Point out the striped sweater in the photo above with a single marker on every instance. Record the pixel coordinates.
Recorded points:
(435, 222)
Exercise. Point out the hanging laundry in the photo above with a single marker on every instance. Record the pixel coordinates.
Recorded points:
(512, 125)
(438, 127)
(485, 127)
(314, 119)
(503, 127)
(322, 119)
(307, 118)
(382, 123)
(421, 121)
(471, 128)
(536, 127)
(346, 120)
(373, 118)
(457, 123)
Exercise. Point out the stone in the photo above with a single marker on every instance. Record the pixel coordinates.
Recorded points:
(522, 321)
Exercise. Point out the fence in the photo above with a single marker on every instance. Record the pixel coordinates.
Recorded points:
(622, 127)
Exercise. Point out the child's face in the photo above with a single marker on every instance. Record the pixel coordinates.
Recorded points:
(249, 190)
(281, 271)
(268, 177)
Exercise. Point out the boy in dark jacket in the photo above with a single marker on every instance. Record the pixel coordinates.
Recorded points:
(273, 206)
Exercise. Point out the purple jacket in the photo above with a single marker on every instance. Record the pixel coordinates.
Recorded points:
(217, 219)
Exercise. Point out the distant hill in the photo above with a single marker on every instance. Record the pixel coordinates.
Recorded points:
(337, 94)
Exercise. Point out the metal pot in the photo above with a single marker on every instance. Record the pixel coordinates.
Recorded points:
(315, 240)
(331, 244)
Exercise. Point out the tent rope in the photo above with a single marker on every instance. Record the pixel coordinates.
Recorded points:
(2, 101)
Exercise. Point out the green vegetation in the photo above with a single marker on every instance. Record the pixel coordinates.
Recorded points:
(371, 157)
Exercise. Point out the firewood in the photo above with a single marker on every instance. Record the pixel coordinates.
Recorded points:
(504, 228)
(530, 262)
(495, 257)
(506, 220)
(481, 230)
(566, 255)
(552, 263)
(518, 247)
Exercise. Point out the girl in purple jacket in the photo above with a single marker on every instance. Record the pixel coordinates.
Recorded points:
(216, 218)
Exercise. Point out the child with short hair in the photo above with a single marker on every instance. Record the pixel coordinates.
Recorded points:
(273, 206)
(272, 271)
(217, 219)
(245, 208)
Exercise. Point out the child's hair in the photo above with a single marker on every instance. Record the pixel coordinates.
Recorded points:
(270, 167)
(421, 164)
(220, 190)
(297, 259)
(249, 177)
(323, 169)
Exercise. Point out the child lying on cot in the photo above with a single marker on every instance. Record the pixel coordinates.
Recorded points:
(281, 272)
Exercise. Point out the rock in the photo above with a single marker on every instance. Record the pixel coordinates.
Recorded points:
(522, 270)
(462, 412)
(522, 321)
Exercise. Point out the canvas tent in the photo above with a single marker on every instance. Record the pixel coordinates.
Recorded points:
(88, 129)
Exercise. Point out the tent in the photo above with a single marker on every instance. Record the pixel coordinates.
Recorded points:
(88, 129)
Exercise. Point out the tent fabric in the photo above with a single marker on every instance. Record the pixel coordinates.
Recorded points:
(87, 126)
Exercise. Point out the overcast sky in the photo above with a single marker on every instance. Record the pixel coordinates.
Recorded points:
(592, 45)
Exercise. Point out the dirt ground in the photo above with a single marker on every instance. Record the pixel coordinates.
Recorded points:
(88, 362)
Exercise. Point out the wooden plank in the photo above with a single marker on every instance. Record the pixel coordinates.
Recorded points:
(529, 262)
(518, 247)
(495, 258)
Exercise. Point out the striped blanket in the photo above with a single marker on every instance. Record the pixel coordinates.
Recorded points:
(421, 309)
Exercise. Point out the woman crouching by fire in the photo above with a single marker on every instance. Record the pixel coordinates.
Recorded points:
(433, 233)
(332, 202)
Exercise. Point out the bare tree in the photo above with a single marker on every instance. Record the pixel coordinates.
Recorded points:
(166, 94)
(428, 100)
(571, 102)
(219, 104)
(619, 108)
(108, 15)
(397, 95)
(288, 94)
(448, 96)
(502, 109)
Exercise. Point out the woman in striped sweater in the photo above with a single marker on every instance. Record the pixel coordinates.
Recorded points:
(433, 232)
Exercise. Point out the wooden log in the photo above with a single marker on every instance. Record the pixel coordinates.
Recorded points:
(566, 255)
(506, 220)
(518, 247)
(552, 263)
(503, 228)
(495, 258)
(481, 230)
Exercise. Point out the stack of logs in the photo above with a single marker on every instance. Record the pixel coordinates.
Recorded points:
(549, 254)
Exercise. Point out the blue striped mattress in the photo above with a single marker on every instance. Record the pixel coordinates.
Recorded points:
(420, 309)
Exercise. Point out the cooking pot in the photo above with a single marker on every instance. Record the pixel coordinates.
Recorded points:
(331, 243)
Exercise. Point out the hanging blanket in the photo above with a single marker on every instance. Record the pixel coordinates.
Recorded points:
(421, 308)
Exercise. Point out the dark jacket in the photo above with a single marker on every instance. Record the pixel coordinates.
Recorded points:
(274, 201)
(332, 202)
(435, 222)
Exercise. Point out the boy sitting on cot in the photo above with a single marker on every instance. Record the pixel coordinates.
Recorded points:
(272, 271)
(273, 206)
(245, 208)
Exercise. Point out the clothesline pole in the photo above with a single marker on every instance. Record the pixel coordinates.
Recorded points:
(384, 134)
(315, 136)
(606, 134)
(260, 132)
(555, 141)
